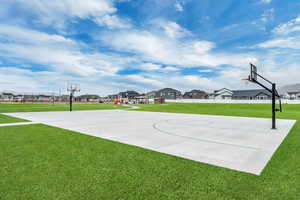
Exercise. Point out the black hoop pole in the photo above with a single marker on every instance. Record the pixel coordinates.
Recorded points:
(273, 106)
(71, 99)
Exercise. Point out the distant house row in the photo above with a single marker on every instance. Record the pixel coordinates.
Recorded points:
(166, 93)
(169, 93)
(259, 94)
(224, 93)
(11, 97)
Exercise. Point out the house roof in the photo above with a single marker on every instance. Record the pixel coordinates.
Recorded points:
(43, 95)
(197, 91)
(7, 93)
(296, 92)
(216, 91)
(250, 93)
(130, 92)
(168, 90)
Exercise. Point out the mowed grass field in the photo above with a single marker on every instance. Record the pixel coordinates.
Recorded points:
(43, 162)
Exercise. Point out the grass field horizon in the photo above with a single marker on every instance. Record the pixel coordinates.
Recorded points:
(43, 162)
(247, 110)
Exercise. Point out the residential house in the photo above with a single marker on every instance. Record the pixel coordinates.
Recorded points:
(293, 95)
(223, 93)
(260, 94)
(30, 98)
(18, 98)
(7, 96)
(88, 98)
(168, 93)
(151, 95)
(33, 98)
(128, 95)
(195, 94)
(44, 98)
(142, 99)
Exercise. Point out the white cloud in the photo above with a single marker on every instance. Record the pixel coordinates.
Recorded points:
(169, 29)
(189, 82)
(27, 81)
(159, 48)
(57, 12)
(16, 34)
(63, 61)
(139, 79)
(179, 6)
(156, 67)
(268, 15)
(205, 71)
(14, 78)
(289, 27)
(149, 66)
(54, 51)
(169, 69)
(286, 35)
(112, 21)
(231, 27)
(290, 42)
(174, 30)
(265, 1)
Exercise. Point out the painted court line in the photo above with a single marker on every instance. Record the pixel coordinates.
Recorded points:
(18, 124)
(155, 126)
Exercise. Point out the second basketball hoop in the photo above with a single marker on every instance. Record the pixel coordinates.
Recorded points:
(72, 88)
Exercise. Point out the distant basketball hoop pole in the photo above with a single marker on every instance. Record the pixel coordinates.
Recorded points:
(253, 78)
(72, 88)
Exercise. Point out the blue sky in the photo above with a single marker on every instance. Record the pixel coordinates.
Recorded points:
(112, 45)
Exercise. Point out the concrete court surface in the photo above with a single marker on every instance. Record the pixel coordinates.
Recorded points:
(238, 143)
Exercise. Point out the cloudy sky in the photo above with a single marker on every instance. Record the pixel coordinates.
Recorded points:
(112, 45)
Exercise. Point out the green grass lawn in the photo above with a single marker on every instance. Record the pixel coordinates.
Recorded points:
(42, 162)
(247, 110)
(6, 119)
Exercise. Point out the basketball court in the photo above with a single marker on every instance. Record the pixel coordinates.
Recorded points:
(238, 143)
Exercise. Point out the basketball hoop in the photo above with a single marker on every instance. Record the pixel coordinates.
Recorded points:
(246, 80)
(256, 78)
(72, 88)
